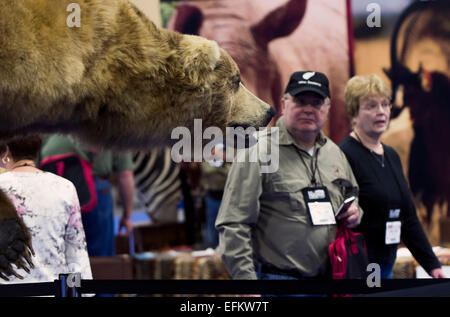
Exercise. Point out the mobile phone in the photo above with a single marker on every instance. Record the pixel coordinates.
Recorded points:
(344, 206)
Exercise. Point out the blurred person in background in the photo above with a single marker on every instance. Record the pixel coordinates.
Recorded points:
(214, 175)
(99, 222)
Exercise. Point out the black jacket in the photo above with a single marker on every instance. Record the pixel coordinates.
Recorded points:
(382, 189)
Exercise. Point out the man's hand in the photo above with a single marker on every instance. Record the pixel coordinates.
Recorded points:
(437, 273)
(126, 191)
(125, 222)
(351, 216)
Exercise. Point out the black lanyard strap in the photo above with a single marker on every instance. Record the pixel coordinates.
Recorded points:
(314, 165)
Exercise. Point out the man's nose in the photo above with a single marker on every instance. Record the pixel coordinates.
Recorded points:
(308, 107)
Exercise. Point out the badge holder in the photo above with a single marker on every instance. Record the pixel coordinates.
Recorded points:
(318, 204)
(393, 232)
(393, 227)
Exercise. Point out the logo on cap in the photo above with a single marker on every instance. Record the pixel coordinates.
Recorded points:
(308, 75)
(308, 81)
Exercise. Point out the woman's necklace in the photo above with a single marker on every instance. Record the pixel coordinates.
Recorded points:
(376, 156)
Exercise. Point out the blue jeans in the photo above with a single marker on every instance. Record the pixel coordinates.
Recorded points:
(267, 276)
(210, 234)
(99, 223)
(387, 270)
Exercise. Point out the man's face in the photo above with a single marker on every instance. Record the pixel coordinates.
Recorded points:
(305, 113)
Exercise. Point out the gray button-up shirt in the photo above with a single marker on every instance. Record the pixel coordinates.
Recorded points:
(263, 217)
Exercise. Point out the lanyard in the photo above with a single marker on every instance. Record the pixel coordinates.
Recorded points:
(314, 165)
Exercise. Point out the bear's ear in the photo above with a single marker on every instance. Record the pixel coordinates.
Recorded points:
(200, 56)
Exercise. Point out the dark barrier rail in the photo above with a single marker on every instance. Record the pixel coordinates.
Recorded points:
(30, 289)
(395, 287)
(252, 287)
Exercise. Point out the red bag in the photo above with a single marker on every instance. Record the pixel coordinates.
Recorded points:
(74, 168)
(348, 254)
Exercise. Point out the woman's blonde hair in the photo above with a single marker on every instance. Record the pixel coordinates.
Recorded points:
(360, 87)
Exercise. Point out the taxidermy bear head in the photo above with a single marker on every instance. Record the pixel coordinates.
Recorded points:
(116, 80)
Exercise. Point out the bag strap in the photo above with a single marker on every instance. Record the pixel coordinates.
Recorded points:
(349, 237)
(341, 230)
(56, 158)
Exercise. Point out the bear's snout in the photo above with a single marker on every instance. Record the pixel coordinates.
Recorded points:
(270, 114)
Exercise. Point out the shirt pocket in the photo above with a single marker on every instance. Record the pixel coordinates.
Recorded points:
(290, 192)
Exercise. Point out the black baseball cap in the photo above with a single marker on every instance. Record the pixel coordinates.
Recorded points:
(308, 81)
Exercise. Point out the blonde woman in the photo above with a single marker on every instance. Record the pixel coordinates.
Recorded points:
(389, 213)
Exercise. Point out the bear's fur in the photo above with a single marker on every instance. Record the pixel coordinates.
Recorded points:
(117, 81)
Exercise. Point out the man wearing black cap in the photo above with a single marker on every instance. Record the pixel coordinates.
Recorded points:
(302, 121)
(279, 225)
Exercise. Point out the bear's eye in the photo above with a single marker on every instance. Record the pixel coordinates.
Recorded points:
(236, 82)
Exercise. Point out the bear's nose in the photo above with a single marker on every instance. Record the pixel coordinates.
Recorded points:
(270, 114)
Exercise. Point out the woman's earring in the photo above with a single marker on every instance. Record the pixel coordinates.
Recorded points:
(5, 160)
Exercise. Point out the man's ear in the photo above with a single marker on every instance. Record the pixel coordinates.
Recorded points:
(283, 105)
(327, 105)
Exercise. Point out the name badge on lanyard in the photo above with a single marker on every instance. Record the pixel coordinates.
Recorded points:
(393, 232)
(319, 206)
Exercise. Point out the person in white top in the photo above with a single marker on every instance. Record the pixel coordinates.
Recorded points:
(49, 207)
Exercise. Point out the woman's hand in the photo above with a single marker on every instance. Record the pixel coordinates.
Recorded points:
(437, 273)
